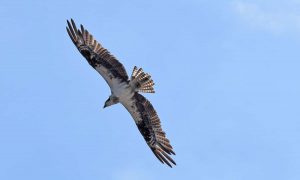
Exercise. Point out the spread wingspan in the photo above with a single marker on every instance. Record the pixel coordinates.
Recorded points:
(126, 91)
(149, 126)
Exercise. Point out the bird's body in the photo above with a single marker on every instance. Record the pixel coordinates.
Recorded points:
(125, 90)
(122, 90)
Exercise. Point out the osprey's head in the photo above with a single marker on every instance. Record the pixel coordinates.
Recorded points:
(111, 101)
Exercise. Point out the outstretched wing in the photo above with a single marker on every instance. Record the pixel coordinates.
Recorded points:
(97, 56)
(149, 125)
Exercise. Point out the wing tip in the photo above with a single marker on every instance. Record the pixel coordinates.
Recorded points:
(163, 157)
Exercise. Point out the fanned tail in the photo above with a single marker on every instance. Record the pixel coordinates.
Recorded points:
(141, 81)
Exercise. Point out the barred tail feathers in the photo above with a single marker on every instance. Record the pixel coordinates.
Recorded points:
(141, 81)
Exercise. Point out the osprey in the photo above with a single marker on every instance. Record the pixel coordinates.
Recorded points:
(125, 91)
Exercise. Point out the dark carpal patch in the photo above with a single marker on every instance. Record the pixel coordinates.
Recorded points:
(144, 125)
(96, 59)
(144, 129)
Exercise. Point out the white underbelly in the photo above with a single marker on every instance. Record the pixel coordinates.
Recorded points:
(122, 90)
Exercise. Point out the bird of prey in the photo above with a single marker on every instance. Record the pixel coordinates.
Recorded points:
(125, 91)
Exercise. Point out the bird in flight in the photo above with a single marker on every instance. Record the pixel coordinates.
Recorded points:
(125, 91)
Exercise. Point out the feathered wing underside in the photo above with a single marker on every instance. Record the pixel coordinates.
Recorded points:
(149, 126)
(141, 81)
(96, 55)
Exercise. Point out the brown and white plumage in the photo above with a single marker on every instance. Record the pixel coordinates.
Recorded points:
(149, 125)
(125, 91)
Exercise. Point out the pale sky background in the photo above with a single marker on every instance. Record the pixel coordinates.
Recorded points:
(227, 81)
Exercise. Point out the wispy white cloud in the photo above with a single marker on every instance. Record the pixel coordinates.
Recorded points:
(278, 19)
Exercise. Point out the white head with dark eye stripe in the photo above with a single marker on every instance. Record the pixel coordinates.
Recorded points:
(111, 101)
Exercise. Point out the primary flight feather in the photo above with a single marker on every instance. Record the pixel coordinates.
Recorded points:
(125, 91)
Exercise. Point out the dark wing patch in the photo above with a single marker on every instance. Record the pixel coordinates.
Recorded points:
(152, 132)
(94, 52)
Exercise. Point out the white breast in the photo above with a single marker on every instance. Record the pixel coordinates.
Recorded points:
(122, 90)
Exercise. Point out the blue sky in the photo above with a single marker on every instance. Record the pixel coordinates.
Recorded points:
(227, 90)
